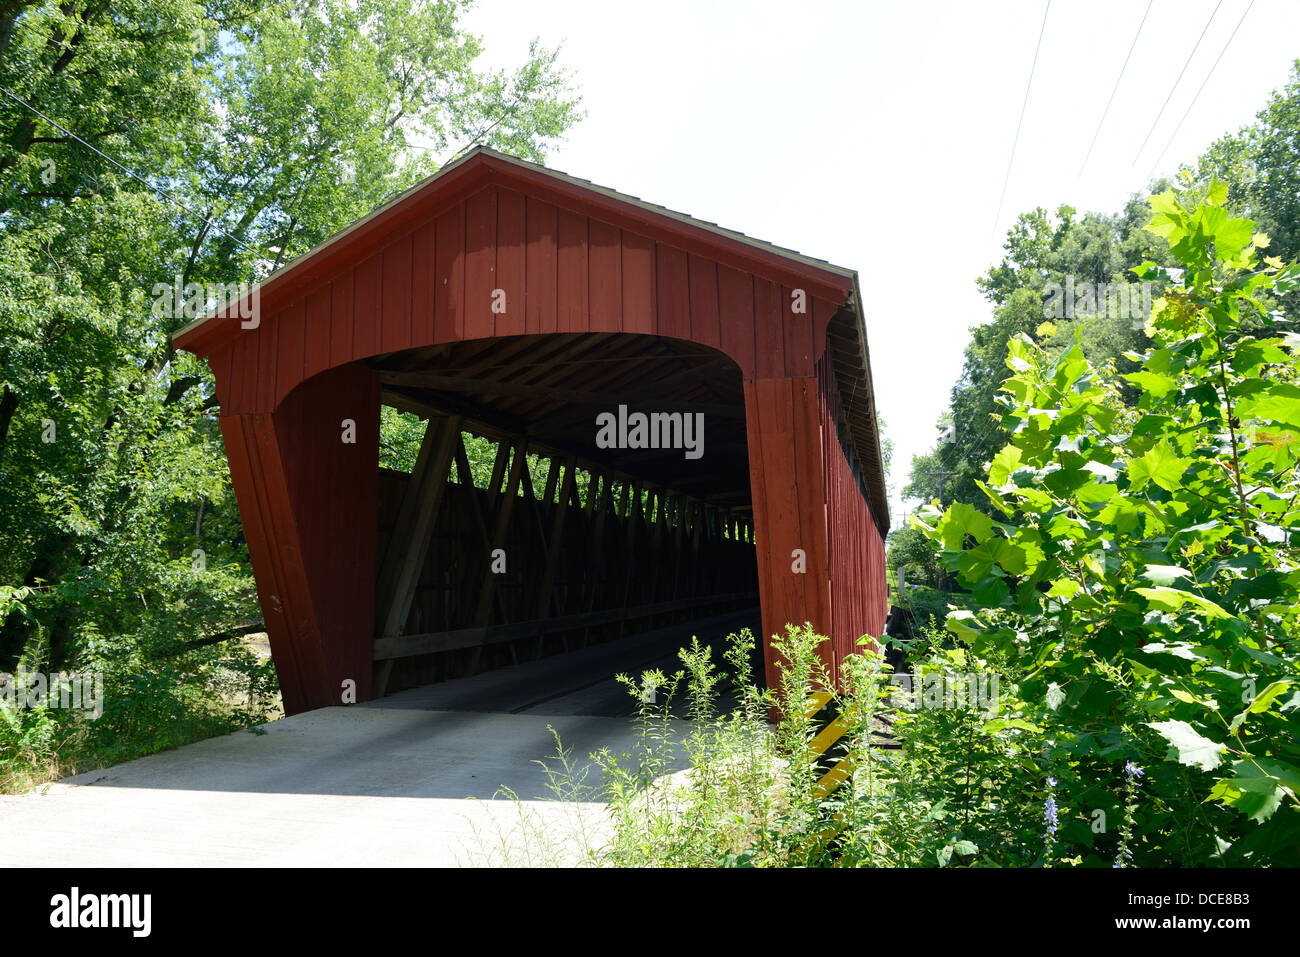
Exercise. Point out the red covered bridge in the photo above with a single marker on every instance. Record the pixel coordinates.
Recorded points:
(502, 299)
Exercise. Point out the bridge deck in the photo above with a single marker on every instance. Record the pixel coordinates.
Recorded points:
(378, 784)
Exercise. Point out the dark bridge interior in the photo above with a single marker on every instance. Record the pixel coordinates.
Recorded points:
(567, 544)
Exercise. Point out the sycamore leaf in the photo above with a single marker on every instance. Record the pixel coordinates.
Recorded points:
(960, 622)
(1160, 465)
(1192, 748)
(1153, 382)
(1173, 599)
(1232, 235)
(1280, 404)
(1256, 788)
(1265, 697)
(961, 520)
(1166, 202)
(1179, 649)
(994, 725)
(1004, 465)
(1063, 588)
(1164, 574)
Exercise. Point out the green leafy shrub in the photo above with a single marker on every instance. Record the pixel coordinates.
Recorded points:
(1137, 570)
(751, 794)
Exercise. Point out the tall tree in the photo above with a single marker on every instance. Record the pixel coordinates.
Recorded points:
(265, 127)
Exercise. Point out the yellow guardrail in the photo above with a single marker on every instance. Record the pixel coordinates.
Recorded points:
(823, 741)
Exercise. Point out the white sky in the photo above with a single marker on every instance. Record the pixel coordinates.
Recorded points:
(876, 135)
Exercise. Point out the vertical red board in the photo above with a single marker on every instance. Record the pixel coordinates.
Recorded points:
(777, 423)
(290, 349)
(769, 337)
(243, 372)
(785, 513)
(267, 338)
(367, 308)
(704, 301)
(480, 264)
(673, 292)
(798, 330)
(423, 268)
(541, 268)
(219, 362)
(638, 285)
(605, 279)
(252, 342)
(395, 331)
(823, 311)
(736, 317)
(282, 584)
(449, 293)
(341, 318)
(245, 478)
(810, 485)
(333, 492)
(511, 232)
(572, 313)
(316, 332)
(294, 592)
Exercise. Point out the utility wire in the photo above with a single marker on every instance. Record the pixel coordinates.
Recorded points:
(1104, 112)
(165, 194)
(1177, 81)
(482, 133)
(1202, 87)
(1011, 160)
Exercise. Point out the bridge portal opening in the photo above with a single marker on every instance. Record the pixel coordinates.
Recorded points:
(569, 490)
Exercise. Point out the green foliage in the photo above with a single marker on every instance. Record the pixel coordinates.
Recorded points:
(274, 125)
(1259, 165)
(748, 795)
(1041, 253)
(1138, 573)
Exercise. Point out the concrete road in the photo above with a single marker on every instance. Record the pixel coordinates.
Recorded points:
(415, 779)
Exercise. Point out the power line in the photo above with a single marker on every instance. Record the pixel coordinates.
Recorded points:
(129, 172)
(1011, 160)
(1104, 112)
(507, 112)
(1202, 87)
(1177, 81)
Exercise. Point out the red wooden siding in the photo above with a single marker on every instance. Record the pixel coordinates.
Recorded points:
(785, 453)
(308, 504)
(805, 497)
(857, 552)
(560, 271)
